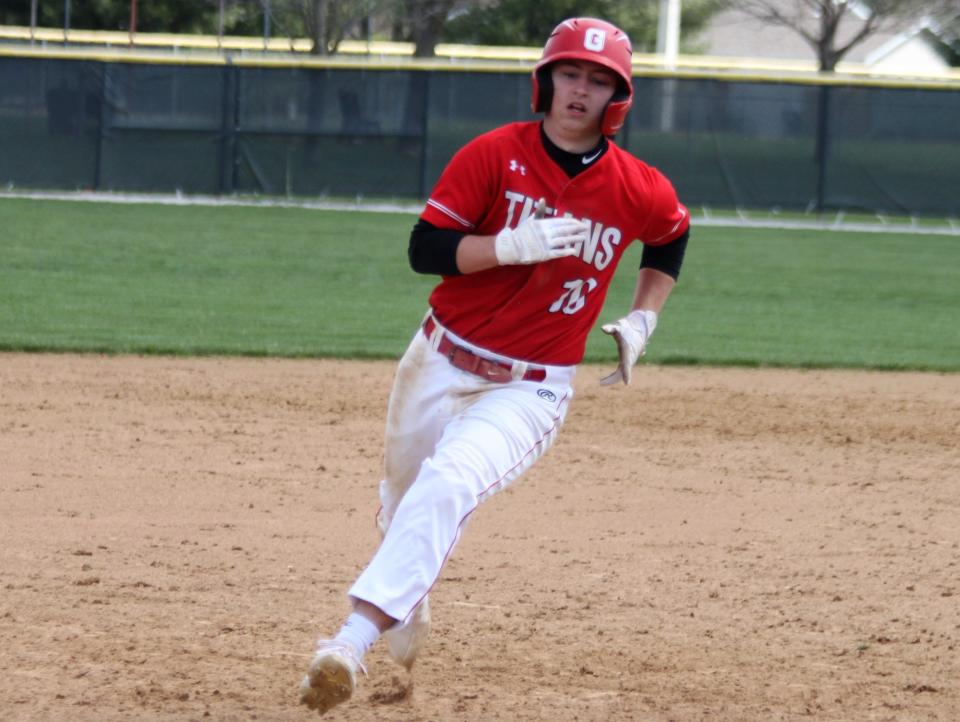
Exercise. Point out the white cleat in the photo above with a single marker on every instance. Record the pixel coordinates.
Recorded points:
(331, 676)
(404, 641)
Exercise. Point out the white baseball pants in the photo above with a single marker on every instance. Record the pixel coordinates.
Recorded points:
(452, 440)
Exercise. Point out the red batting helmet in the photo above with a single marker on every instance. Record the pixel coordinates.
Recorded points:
(599, 42)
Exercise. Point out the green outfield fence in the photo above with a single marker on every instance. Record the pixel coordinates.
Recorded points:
(361, 127)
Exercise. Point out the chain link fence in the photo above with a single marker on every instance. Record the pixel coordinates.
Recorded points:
(348, 130)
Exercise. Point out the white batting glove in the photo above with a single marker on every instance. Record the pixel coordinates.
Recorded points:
(631, 334)
(540, 239)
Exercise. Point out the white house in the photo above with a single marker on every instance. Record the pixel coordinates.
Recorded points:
(733, 33)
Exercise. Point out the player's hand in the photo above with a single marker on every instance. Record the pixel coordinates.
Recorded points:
(540, 239)
(631, 334)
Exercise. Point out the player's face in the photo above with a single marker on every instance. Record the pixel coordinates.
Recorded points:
(581, 91)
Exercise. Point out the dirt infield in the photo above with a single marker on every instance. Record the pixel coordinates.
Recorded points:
(705, 545)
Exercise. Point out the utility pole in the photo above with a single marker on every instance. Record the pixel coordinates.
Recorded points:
(668, 46)
(220, 27)
(266, 24)
(668, 32)
(133, 20)
(33, 19)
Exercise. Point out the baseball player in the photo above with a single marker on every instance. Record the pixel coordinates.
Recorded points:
(525, 226)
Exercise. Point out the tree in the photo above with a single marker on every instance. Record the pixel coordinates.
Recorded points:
(529, 22)
(327, 22)
(422, 22)
(160, 16)
(834, 27)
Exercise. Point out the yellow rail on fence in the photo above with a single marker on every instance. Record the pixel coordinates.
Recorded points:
(118, 46)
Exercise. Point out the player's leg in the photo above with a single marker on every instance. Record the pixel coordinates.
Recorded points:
(417, 412)
(421, 404)
(488, 445)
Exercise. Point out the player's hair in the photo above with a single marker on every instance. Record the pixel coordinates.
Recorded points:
(596, 41)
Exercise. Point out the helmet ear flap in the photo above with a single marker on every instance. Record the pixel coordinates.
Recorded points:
(622, 93)
(543, 90)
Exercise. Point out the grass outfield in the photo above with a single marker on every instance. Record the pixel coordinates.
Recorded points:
(297, 282)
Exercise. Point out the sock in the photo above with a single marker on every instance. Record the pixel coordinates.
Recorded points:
(359, 632)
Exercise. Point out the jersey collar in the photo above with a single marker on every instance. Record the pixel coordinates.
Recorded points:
(573, 163)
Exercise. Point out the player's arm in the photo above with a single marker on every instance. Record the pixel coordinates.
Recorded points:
(652, 290)
(434, 250)
(477, 253)
(659, 271)
(535, 239)
(448, 252)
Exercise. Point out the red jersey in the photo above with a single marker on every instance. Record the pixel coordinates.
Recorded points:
(543, 312)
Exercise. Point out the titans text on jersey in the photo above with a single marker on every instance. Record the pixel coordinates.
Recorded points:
(600, 239)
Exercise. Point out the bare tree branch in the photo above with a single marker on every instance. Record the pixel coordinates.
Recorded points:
(869, 27)
(834, 27)
(771, 14)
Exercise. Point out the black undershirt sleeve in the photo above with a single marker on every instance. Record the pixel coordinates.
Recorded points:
(434, 250)
(666, 258)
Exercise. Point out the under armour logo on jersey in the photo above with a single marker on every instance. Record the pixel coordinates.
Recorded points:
(514, 166)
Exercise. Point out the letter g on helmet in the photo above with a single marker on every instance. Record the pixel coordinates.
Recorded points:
(598, 42)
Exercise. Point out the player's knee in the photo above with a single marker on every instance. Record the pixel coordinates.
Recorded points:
(447, 488)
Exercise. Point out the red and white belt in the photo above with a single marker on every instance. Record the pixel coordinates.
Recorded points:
(467, 360)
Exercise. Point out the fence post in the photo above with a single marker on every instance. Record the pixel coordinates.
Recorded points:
(101, 126)
(424, 133)
(229, 111)
(822, 149)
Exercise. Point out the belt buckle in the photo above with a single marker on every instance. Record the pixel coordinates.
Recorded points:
(496, 372)
(466, 360)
